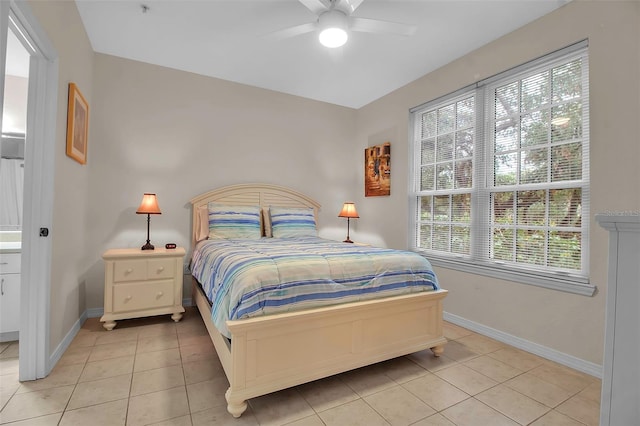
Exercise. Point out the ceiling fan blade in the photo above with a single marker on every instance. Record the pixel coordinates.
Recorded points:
(292, 31)
(375, 26)
(348, 6)
(316, 6)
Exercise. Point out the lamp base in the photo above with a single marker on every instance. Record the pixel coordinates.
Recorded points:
(347, 240)
(147, 246)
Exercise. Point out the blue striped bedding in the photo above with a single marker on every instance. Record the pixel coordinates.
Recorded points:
(247, 278)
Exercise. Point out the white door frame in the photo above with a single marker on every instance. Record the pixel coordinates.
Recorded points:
(38, 185)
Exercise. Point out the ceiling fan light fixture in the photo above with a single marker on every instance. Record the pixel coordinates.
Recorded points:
(333, 26)
(333, 37)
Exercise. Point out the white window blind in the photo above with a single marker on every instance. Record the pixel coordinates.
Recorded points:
(501, 174)
(447, 134)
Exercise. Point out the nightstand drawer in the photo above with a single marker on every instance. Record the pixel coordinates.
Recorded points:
(146, 295)
(129, 270)
(141, 269)
(161, 268)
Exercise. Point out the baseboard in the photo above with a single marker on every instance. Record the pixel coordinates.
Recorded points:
(535, 348)
(517, 342)
(94, 312)
(64, 344)
(9, 336)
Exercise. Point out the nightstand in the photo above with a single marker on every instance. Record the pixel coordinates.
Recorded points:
(142, 283)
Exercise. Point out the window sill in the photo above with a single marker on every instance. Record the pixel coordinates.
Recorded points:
(566, 283)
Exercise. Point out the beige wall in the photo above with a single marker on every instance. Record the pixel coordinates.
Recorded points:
(61, 22)
(179, 134)
(568, 323)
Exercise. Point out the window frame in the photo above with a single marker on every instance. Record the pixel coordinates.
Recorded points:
(479, 260)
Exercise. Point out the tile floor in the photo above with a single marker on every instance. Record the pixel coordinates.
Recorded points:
(156, 372)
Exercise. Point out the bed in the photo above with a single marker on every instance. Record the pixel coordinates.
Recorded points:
(266, 353)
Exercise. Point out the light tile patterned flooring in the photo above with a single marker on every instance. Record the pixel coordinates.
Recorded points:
(156, 372)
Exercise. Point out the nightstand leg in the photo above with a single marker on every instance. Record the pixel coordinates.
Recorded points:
(235, 408)
(109, 325)
(437, 350)
(177, 316)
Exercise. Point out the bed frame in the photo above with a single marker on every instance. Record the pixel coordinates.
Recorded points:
(274, 352)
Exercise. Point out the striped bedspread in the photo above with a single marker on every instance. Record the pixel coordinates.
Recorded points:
(247, 278)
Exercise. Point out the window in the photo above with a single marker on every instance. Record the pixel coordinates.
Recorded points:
(501, 175)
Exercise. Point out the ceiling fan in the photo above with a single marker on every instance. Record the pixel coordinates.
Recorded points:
(335, 20)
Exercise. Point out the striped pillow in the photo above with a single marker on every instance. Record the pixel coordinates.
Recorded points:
(234, 221)
(289, 222)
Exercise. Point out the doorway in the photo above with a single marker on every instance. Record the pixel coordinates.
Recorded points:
(14, 126)
(12, 144)
(39, 141)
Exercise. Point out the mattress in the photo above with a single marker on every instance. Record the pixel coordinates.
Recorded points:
(245, 278)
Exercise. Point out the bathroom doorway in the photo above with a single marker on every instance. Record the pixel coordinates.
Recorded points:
(12, 148)
(17, 20)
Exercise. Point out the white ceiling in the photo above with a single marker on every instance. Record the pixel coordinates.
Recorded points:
(226, 39)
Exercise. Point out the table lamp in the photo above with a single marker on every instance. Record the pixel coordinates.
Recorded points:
(348, 211)
(148, 206)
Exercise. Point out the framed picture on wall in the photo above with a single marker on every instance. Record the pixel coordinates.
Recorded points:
(377, 170)
(77, 125)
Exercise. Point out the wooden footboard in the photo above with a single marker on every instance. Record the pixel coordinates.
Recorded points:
(275, 352)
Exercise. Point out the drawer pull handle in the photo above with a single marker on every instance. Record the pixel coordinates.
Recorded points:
(160, 294)
(4, 263)
(2, 287)
(129, 270)
(160, 269)
(127, 298)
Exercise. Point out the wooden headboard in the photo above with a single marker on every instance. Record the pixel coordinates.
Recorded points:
(251, 194)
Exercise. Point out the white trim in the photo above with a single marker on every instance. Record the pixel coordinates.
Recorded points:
(515, 70)
(9, 336)
(526, 345)
(4, 28)
(557, 281)
(479, 259)
(38, 207)
(517, 342)
(68, 338)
